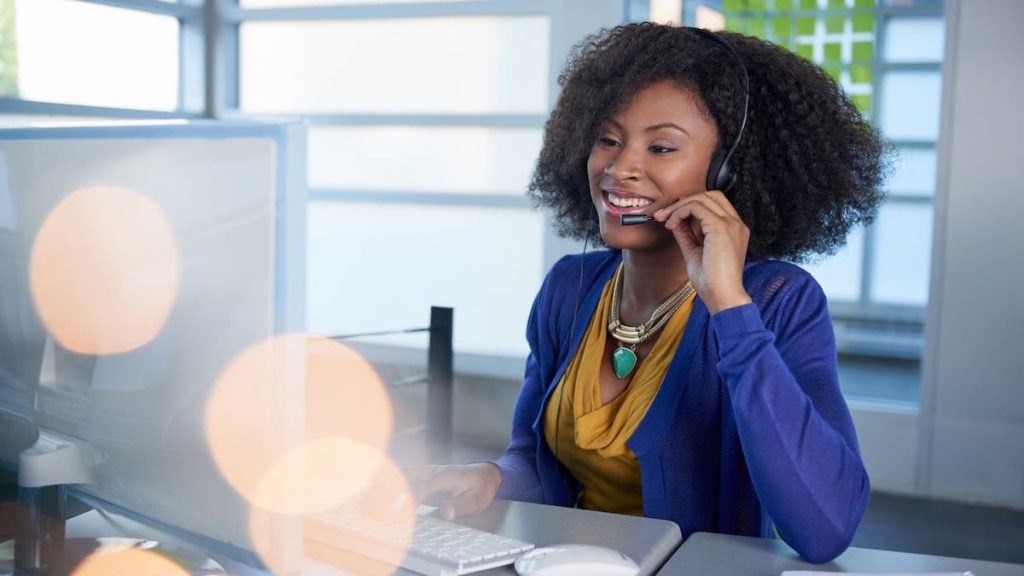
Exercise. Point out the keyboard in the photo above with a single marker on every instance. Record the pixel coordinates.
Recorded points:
(437, 548)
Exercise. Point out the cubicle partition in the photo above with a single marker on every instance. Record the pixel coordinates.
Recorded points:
(140, 260)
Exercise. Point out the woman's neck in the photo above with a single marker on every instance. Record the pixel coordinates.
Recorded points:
(649, 278)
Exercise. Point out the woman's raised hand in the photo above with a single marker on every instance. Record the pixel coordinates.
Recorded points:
(713, 240)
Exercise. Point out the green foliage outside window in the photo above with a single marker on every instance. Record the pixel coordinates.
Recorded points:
(8, 51)
(838, 35)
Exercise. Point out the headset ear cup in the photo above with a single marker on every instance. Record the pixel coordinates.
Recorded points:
(715, 171)
(725, 177)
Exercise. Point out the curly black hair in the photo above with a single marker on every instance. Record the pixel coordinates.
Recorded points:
(808, 167)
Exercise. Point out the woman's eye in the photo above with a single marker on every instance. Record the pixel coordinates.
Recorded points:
(661, 149)
(606, 141)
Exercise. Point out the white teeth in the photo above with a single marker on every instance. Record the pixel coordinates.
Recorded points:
(628, 202)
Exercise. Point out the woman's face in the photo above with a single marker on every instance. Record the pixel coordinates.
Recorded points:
(648, 156)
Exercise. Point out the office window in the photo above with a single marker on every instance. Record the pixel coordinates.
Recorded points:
(297, 3)
(837, 35)
(380, 266)
(88, 54)
(426, 65)
(424, 128)
(423, 159)
(916, 118)
(101, 59)
(886, 54)
(901, 268)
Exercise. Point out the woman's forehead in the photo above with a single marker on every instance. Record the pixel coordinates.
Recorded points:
(664, 102)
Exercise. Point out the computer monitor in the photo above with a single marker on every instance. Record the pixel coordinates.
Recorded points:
(233, 198)
(21, 339)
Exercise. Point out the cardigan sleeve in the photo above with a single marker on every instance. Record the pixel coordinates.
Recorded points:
(795, 428)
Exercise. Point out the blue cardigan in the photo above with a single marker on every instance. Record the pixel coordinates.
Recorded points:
(749, 430)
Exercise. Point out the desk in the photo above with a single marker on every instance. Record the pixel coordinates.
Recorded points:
(646, 540)
(650, 542)
(721, 555)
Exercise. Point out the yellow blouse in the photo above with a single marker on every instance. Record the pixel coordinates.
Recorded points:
(592, 436)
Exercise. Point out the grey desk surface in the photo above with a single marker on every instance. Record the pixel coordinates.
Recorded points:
(650, 542)
(721, 555)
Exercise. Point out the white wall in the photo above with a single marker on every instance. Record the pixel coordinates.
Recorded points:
(972, 424)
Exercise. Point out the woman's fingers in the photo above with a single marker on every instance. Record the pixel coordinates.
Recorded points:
(721, 201)
(704, 199)
(455, 490)
(429, 483)
(464, 504)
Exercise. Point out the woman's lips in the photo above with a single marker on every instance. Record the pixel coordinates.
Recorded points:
(614, 210)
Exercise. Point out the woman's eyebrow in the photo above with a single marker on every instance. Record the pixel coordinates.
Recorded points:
(667, 125)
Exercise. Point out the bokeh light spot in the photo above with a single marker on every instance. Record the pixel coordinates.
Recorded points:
(128, 562)
(296, 422)
(317, 476)
(382, 501)
(104, 270)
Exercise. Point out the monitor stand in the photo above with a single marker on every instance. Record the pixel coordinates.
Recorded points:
(45, 471)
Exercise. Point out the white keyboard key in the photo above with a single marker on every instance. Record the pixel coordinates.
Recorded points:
(437, 547)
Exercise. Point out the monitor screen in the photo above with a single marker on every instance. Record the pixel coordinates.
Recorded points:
(138, 261)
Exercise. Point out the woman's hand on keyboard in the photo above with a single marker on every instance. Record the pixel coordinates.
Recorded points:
(456, 490)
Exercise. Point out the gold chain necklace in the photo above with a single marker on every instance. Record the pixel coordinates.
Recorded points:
(624, 358)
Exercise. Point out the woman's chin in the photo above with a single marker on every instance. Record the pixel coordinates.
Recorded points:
(640, 238)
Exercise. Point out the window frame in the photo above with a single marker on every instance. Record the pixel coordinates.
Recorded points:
(567, 19)
(192, 24)
(232, 16)
(866, 326)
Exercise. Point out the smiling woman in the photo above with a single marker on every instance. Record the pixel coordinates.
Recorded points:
(704, 387)
(673, 150)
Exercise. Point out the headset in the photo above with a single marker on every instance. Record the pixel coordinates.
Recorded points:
(720, 177)
(720, 174)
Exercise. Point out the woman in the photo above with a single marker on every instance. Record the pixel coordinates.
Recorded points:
(687, 373)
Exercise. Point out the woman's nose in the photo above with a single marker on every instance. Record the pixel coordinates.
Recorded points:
(625, 165)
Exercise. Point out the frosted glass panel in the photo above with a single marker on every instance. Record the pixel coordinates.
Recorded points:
(910, 105)
(26, 120)
(381, 267)
(423, 159)
(428, 65)
(294, 3)
(78, 53)
(914, 40)
(840, 275)
(903, 245)
(914, 173)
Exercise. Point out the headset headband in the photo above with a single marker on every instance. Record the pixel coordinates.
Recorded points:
(746, 83)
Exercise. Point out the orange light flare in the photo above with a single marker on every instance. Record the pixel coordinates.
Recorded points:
(324, 545)
(104, 270)
(297, 423)
(128, 562)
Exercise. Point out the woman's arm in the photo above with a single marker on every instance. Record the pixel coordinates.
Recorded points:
(795, 429)
(797, 435)
(518, 465)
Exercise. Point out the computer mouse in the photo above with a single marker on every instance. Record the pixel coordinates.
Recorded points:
(575, 560)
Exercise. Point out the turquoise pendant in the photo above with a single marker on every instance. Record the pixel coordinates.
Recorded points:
(623, 361)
